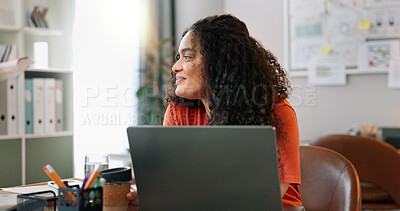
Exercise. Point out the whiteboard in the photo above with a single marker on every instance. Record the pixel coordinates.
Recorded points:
(347, 29)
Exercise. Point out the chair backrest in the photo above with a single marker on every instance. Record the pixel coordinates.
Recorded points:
(328, 181)
(376, 162)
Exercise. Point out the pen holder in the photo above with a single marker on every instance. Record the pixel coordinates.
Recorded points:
(86, 200)
(44, 200)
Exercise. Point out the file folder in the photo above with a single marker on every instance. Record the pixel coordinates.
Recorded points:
(3, 108)
(28, 106)
(8, 107)
(59, 106)
(49, 105)
(38, 105)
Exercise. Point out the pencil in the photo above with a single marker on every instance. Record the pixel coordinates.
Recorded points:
(91, 179)
(54, 176)
(371, 131)
(364, 127)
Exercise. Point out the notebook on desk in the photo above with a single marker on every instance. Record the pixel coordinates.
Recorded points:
(205, 168)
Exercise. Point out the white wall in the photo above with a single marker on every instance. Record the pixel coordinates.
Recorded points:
(263, 19)
(189, 11)
(320, 110)
(365, 99)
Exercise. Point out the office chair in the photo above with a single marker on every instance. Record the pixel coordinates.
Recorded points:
(376, 162)
(328, 181)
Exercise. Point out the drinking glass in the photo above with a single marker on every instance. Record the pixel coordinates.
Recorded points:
(95, 162)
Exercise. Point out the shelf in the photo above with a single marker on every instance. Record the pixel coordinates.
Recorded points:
(296, 74)
(7, 137)
(8, 28)
(49, 70)
(366, 72)
(43, 31)
(49, 135)
(303, 73)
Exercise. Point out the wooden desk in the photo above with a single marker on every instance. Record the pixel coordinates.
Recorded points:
(285, 208)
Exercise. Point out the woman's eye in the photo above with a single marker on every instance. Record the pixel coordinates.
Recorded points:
(186, 58)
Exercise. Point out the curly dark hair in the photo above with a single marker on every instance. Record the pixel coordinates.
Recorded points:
(244, 80)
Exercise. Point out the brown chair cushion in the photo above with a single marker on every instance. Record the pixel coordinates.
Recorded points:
(376, 162)
(379, 206)
(328, 181)
(374, 194)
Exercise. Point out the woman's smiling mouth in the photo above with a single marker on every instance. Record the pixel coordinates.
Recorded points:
(179, 79)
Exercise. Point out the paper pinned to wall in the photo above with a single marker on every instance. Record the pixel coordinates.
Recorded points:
(376, 55)
(394, 73)
(327, 70)
(306, 28)
(381, 3)
(307, 39)
(385, 23)
(306, 7)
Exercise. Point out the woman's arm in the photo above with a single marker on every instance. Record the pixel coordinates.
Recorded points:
(284, 187)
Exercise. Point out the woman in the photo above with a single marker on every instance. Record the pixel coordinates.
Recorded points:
(223, 76)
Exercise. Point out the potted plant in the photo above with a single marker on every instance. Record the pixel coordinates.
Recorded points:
(153, 85)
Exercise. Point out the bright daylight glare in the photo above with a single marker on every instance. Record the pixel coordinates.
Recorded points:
(105, 65)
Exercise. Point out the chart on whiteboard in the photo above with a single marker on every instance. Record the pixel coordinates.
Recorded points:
(343, 29)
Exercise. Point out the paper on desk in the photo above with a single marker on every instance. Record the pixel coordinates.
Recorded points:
(7, 201)
(394, 73)
(30, 189)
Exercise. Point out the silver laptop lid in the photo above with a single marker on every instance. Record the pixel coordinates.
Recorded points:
(205, 167)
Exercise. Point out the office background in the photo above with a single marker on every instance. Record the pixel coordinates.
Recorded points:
(106, 37)
(320, 110)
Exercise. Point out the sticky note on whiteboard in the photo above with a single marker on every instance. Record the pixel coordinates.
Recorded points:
(325, 49)
(364, 25)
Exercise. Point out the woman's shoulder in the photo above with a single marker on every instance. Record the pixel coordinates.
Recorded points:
(283, 106)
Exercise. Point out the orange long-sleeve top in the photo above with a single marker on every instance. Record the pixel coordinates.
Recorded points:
(288, 145)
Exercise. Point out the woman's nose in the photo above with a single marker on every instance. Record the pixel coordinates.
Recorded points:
(177, 67)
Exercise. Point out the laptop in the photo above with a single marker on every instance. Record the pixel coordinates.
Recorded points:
(205, 167)
(391, 135)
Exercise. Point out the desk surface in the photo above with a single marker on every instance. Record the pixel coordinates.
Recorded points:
(31, 185)
(285, 208)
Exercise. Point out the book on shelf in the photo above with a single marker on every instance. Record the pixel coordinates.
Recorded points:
(3, 51)
(13, 68)
(36, 18)
(29, 21)
(8, 52)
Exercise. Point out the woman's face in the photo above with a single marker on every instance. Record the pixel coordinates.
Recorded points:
(189, 82)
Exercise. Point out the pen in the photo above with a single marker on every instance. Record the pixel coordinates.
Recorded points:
(84, 182)
(98, 182)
